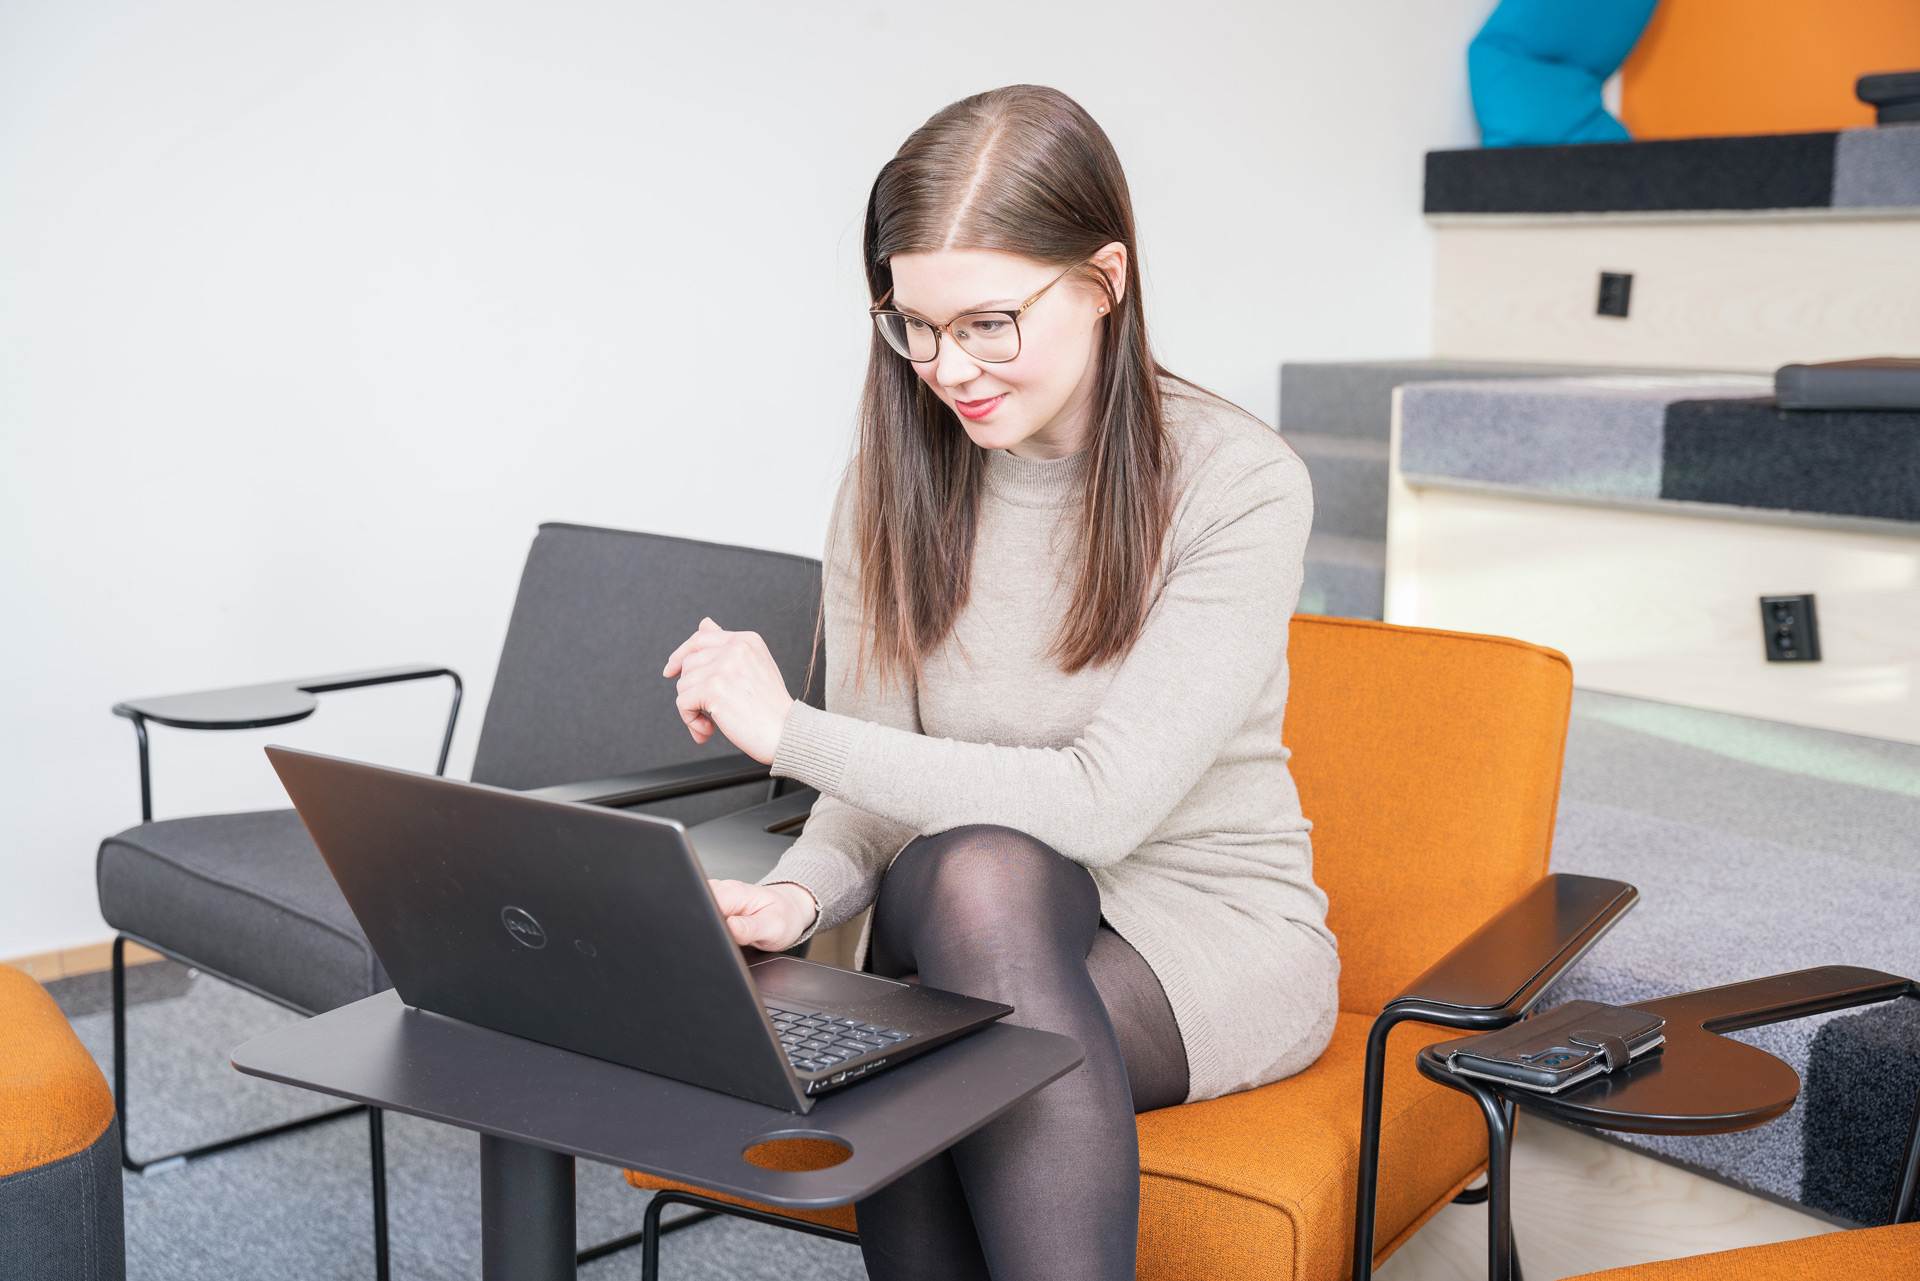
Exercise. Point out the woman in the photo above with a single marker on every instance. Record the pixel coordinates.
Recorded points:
(1057, 590)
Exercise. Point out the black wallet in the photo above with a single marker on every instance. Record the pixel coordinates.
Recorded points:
(1560, 1047)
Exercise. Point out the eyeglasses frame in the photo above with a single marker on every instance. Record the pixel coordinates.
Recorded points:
(880, 309)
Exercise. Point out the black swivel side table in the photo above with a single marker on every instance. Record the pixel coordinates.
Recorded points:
(536, 1108)
(1699, 1082)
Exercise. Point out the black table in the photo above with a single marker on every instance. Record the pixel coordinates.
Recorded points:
(1699, 1082)
(536, 1108)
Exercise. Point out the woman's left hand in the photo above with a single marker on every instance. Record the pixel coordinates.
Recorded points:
(729, 682)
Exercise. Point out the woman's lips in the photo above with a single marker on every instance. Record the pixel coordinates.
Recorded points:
(979, 408)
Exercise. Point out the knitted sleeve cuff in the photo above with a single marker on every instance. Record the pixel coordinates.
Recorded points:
(814, 747)
(836, 886)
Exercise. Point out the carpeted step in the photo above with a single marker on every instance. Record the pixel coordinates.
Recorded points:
(1346, 577)
(1704, 439)
(1355, 397)
(1349, 483)
(1862, 1079)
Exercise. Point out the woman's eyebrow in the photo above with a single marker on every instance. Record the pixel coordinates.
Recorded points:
(1001, 304)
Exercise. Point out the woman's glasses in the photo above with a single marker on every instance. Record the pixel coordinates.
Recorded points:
(992, 337)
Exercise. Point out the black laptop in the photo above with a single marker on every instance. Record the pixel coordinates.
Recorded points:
(594, 930)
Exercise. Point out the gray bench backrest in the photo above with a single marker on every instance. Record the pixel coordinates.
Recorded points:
(579, 694)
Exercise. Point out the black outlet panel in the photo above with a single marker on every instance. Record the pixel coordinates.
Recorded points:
(1616, 290)
(1791, 632)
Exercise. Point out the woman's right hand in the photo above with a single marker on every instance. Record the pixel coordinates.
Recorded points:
(769, 917)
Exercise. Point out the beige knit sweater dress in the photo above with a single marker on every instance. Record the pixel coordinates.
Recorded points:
(1163, 773)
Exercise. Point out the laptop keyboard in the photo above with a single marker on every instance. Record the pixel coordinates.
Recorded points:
(818, 1042)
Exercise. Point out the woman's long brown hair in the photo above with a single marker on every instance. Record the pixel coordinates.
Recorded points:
(1022, 170)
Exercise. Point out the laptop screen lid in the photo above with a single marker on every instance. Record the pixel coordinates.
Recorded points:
(585, 928)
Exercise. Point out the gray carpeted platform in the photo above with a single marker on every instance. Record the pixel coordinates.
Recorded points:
(1709, 439)
(1338, 416)
(1852, 168)
(1599, 436)
(298, 1207)
(1758, 848)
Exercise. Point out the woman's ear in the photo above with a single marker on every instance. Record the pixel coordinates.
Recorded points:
(1111, 262)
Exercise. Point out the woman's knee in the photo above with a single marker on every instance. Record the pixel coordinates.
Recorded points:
(984, 866)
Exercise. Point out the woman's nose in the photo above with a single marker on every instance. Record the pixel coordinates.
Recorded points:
(952, 367)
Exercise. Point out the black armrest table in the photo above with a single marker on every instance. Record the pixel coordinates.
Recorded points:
(536, 1108)
(1699, 1082)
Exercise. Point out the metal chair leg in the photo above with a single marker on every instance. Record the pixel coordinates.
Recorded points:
(377, 1146)
(377, 1135)
(632, 1239)
(652, 1229)
(1503, 1255)
(120, 1088)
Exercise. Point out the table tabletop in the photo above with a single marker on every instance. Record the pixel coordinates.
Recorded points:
(380, 1051)
(1700, 1081)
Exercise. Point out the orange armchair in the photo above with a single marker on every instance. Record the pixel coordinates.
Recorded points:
(1429, 763)
(1865, 1253)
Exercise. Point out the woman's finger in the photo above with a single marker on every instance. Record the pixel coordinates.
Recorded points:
(691, 705)
(709, 635)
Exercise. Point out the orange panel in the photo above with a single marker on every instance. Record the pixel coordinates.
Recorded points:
(1713, 67)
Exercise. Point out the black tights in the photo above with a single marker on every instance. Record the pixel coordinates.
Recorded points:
(1051, 1190)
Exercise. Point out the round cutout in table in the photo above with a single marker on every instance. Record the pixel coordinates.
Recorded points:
(797, 1153)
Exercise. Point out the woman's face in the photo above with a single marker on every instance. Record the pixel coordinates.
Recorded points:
(1039, 404)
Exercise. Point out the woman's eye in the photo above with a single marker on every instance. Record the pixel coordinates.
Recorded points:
(917, 326)
(987, 325)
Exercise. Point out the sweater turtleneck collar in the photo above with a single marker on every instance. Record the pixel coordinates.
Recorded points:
(1036, 482)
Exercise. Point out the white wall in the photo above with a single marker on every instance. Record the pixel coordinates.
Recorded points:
(310, 311)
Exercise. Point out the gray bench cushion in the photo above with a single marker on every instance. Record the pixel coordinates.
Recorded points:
(243, 894)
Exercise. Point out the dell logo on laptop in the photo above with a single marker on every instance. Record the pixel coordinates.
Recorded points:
(525, 930)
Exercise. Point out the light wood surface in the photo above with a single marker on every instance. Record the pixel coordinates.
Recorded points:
(89, 958)
(1713, 293)
(1581, 1204)
(1667, 607)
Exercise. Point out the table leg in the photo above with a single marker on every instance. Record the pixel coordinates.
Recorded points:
(1503, 1263)
(526, 1212)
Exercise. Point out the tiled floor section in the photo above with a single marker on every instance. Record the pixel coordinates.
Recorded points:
(1581, 1204)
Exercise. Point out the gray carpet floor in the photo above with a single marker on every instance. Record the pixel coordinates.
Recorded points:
(299, 1206)
(1758, 848)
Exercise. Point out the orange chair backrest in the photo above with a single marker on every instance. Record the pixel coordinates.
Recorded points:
(1429, 763)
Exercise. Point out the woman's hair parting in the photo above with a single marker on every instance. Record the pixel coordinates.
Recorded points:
(1022, 170)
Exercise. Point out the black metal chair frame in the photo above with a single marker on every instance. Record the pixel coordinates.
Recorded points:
(282, 703)
(653, 1229)
(1492, 979)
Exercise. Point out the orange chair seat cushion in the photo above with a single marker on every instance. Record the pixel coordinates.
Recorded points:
(793, 1155)
(1863, 1253)
(1261, 1184)
(53, 1100)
